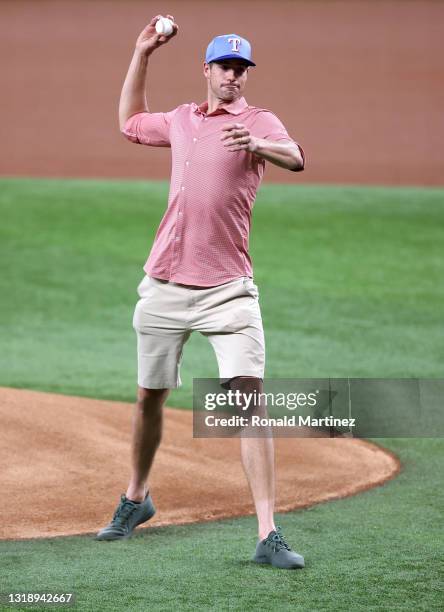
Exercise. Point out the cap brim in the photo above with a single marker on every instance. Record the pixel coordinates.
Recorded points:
(232, 56)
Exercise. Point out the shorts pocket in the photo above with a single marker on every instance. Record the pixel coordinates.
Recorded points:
(144, 287)
(251, 288)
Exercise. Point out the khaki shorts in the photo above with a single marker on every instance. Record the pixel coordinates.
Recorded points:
(228, 315)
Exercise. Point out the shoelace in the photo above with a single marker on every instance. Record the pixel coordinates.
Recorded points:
(277, 541)
(124, 510)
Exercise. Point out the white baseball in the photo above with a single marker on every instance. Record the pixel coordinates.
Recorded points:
(164, 26)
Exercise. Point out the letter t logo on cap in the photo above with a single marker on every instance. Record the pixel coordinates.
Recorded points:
(228, 46)
(235, 44)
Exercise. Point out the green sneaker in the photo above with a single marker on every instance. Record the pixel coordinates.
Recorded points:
(126, 517)
(275, 551)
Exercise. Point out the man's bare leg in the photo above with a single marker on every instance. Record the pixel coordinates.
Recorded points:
(258, 462)
(146, 436)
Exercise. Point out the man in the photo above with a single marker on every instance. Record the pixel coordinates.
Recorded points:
(199, 274)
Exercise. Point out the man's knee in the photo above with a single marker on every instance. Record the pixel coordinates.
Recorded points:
(151, 398)
(245, 380)
(248, 400)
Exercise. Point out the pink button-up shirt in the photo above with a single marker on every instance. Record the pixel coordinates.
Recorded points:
(203, 237)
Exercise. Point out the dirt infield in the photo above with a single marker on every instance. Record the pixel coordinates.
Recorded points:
(358, 83)
(65, 460)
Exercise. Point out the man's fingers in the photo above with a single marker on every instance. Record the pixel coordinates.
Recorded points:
(175, 26)
(237, 137)
(235, 134)
(232, 126)
(148, 30)
(228, 126)
(241, 147)
(238, 141)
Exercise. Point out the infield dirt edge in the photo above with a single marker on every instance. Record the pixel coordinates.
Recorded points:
(50, 438)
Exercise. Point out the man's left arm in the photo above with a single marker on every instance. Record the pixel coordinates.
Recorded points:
(284, 153)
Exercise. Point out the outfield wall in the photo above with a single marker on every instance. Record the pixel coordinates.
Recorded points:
(358, 83)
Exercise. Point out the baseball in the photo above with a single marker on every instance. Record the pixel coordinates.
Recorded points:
(164, 26)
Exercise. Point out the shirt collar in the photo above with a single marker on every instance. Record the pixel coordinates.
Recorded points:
(234, 108)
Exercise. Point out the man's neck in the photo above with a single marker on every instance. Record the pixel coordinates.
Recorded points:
(215, 103)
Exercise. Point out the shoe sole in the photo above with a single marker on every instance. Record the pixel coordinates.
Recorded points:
(265, 561)
(127, 536)
(261, 560)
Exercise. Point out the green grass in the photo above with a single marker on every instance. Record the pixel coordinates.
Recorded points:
(351, 285)
(350, 281)
(376, 551)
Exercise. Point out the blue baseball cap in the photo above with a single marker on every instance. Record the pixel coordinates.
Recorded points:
(229, 46)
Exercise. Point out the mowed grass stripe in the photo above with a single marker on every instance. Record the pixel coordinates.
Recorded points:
(379, 550)
(350, 281)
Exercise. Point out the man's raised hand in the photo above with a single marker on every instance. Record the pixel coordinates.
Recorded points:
(149, 39)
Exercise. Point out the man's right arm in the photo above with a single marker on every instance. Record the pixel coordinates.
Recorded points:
(133, 97)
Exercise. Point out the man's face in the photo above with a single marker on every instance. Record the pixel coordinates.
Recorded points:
(227, 78)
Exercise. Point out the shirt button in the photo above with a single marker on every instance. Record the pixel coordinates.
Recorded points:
(180, 213)
(194, 139)
(187, 163)
(183, 188)
(177, 238)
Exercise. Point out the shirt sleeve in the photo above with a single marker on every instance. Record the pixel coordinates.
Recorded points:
(269, 127)
(151, 129)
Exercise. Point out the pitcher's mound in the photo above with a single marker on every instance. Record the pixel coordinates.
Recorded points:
(65, 461)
